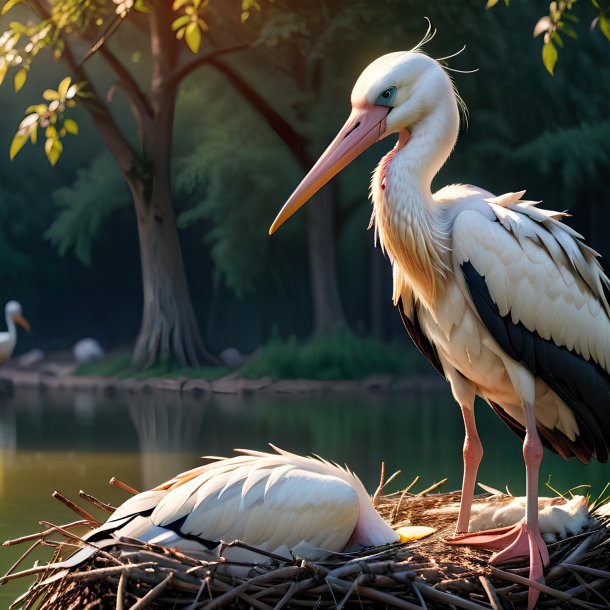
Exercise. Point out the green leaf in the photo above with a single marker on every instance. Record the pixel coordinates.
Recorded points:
(71, 126)
(19, 140)
(178, 4)
(604, 25)
(3, 69)
(20, 78)
(63, 87)
(9, 5)
(50, 95)
(557, 38)
(192, 37)
(549, 57)
(180, 22)
(37, 108)
(491, 4)
(53, 148)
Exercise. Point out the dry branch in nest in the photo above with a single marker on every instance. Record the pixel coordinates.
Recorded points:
(129, 574)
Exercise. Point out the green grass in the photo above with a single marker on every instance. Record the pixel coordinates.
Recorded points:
(330, 357)
(120, 366)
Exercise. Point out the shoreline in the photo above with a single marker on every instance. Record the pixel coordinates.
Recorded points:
(60, 377)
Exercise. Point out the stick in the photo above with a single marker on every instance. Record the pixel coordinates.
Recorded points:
(72, 506)
(120, 592)
(153, 593)
(432, 488)
(108, 508)
(41, 535)
(492, 596)
(128, 488)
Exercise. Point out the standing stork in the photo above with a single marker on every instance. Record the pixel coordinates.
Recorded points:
(8, 339)
(504, 300)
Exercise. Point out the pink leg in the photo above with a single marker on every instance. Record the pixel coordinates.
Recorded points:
(524, 539)
(529, 540)
(472, 452)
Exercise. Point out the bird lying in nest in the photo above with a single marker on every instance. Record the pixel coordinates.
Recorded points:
(559, 517)
(281, 503)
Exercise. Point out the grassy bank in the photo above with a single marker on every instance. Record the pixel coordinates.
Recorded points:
(329, 357)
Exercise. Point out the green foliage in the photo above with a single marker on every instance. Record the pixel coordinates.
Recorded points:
(98, 192)
(233, 192)
(51, 118)
(559, 21)
(329, 357)
(119, 366)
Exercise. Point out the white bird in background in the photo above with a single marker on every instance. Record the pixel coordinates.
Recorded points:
(504, 300)
(12, 315)
(278, 502)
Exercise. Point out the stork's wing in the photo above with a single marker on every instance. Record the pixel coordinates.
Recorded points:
(423, 344)
(543, 297)
(270, 508)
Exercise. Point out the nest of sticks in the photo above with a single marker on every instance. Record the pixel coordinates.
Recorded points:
(129, 574)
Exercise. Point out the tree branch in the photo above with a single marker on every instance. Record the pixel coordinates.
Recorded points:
(140, 103)
(295, 141)
(107, 127)
(202, 60)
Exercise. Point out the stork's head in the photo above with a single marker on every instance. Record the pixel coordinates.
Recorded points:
(13, 310)
(394, 94)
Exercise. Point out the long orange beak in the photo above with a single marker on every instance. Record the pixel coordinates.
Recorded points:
(21, 321)
(363, 128)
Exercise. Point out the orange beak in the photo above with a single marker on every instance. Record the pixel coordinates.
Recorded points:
(363, 128)
(18, 319)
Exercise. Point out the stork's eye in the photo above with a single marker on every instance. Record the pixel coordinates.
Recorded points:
(386, 97)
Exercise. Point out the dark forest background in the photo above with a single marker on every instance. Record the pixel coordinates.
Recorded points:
(68, 238)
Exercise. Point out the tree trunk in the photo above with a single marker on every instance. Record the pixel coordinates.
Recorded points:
(169, 328)
(327, 309)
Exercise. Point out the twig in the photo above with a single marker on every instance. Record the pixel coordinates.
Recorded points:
(120, 592)
(74, 507)
(153, 593)
(41, 535)
(447, 598)
(386, 598)
(492, 595)
(432, 488)
(108, 508)
(379, 489)
(128, 488)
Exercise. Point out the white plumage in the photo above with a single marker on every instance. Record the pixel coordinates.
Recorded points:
(279, 502)
(505, 300)
(8, 339)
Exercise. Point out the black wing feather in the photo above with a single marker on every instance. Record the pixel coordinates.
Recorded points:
(419, 338)
(582, 384)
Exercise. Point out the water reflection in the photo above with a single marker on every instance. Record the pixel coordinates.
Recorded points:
(71, 441)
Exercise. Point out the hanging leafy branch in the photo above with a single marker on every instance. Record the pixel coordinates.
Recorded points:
(90, 20)
(560, 21)
(49, 117)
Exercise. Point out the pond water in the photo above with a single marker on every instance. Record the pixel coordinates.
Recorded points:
(71, 441)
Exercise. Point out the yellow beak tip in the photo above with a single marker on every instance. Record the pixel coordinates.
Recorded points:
(414, 532)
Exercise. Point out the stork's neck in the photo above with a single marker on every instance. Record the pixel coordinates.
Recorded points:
(12, 329)
(404, 211)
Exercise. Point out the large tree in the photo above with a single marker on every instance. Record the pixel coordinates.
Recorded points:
(141, 147)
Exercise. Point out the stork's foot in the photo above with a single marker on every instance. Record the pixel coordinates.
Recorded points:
(513, 543)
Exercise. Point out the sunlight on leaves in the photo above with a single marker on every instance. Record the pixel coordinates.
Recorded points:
(9, 5)
(549, 57)
(604, 25)
(48, 117)
(20, 78)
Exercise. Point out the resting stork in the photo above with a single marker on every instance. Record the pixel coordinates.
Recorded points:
(505, 300)
(279, 502)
